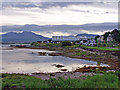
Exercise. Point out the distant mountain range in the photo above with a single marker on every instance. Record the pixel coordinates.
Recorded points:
(24, 37)
(28, 37)
(88, 35)
(101, 27)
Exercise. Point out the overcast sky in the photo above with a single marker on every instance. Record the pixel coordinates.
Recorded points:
(60, 14)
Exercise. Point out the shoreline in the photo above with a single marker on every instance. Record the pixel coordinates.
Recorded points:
(78, 73)
(69, 52)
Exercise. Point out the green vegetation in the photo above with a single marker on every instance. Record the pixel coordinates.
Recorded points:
(91, 55)
(66, 43)
(106, 35)
(22, 81)
(97, 81)
(107, 80)
(62, 44)
(115, 35)
(46, 44)
(72, 46)
(97, 37)
(100, 48)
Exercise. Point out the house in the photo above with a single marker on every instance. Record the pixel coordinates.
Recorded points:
(109, 38)
(76, 39)
(64, 38)
(100, 39)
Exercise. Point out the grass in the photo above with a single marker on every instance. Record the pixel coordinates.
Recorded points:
(81, 53)
(89, 55)
(98, 81)
(76, 46)
(108, 80)
(22, 81)
(73, 46)
(47, 44)
(100, 48)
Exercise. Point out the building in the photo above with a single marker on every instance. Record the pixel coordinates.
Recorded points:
(68, 38)
(64, 38)
(76, 39)
(100, 39)
(90, 42)
(109, 38)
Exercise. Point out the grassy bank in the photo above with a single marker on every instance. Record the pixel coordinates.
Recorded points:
(46, 44)
(107, 80)
(76, 46)
(101, 48)
(91, 55)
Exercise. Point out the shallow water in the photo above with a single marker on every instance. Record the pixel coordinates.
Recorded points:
(23, 61)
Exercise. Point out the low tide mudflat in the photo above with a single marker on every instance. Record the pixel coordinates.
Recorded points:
(21, 60)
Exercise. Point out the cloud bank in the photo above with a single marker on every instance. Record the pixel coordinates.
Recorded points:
(59, 18)
(49, 30)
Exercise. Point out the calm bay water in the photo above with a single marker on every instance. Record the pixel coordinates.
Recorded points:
(23, 61)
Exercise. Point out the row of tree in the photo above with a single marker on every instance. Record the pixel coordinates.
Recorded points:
(115, 35)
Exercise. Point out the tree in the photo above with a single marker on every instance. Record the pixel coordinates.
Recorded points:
(74, 43)
(106, 35)
(116, 35)
(97, 37)
(66, 43)
(32, 43)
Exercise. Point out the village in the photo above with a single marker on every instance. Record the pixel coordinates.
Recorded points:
(108, 39)
(82, 40)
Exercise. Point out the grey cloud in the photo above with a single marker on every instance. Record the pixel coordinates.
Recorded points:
(40, 4)
(54, 4)
(18, 5)
(94, 27)
(46, 5)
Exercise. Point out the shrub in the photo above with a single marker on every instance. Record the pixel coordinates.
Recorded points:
(66, 43)
(32, 43)
(74, 43)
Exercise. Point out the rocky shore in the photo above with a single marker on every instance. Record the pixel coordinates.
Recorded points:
(66, 75)
(79, 73)
(107, 57)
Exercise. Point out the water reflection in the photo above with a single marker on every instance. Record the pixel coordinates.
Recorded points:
(23, 61)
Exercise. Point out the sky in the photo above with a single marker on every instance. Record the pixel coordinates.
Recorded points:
(59, 18)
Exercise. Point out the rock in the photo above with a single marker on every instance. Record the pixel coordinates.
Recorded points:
(63, 69)
(52, 74)
(58, 65)
(32, 52)
(55, 54)
(49, 54)
(92, 69)
(42, 53)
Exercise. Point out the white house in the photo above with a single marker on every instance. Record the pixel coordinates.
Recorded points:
(77, 39)
(100, 39)
(68, 38)
(109, 38)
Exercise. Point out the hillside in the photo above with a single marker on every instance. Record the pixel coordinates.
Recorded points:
(24, 37)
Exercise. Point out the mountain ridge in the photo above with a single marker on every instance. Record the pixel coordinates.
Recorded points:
(88, 35)
(24, 37)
